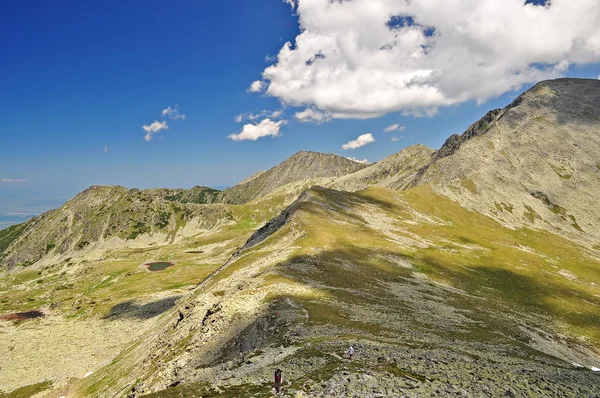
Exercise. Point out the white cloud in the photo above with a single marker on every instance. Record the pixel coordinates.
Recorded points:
(255, 116)
(393, 127)
(394, 139)
(364, 161)
(265, 128)
(173, 113)
(311, 115)
(365, 58)
(154, 128)
(12, 180)
(421, 112)
(292, 3)
(105, 148)
(256, 86)
(276, 114)
(360, 141)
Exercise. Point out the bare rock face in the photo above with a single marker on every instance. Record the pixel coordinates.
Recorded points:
(533, 163)
(476, 129)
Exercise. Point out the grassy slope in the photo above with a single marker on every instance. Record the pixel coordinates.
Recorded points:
(93, 288)
(412, 270)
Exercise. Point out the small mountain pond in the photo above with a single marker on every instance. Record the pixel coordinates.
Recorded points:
(158, 265)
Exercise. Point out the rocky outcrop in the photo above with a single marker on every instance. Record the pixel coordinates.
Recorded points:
(478, 128)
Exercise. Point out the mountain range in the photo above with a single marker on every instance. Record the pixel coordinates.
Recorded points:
(471, 270)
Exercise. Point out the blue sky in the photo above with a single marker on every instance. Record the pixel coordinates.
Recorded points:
(79, 79)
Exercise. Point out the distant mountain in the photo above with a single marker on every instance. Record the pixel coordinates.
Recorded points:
(303, 165)
(396, 171)
(107, 216)
(197, 194)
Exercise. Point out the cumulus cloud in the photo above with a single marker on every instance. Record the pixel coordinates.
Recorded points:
(265, 128)
(311, 115)
(365, 58)
(12, 180)
(154, 128)
(393, 127)
(256, 86)
(255, 116)
(292, 3)
(364, 161)
(362, 140)
(173, 113)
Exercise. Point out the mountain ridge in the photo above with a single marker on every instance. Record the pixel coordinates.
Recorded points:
(471, 270)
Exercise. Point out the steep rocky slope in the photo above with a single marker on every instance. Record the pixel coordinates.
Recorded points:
(536, 162)
(303, 165)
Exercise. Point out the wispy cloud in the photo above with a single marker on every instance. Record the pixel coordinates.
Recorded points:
(361, 141)
(311, 115)
(393, 127)
(255, 116)
(256, 86)
(421, 112)
(364, 161)
(401, 137)
(12, 180)
(173, 113)
(105, 148)
(265, 128)
(154, 128)
(292, 3)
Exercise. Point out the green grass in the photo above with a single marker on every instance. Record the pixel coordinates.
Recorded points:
(351, 252)
(28, 391)
(8, 235)
(493, 265)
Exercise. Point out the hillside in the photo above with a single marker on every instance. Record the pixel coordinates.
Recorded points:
(197, 194)
(101, 218)
(395, 171)
(303, 165)
(430, 303)
(536, 162)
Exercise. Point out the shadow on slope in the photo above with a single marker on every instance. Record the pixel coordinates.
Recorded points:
(132, 310)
